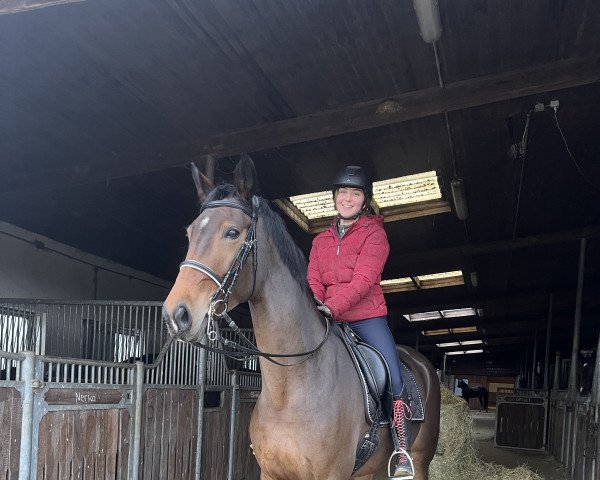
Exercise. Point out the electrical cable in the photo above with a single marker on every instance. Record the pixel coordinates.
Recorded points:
(579, 169)
(522, 154)
(40, 246)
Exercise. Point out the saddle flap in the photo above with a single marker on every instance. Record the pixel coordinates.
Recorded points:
(374, 367)
(414, 395)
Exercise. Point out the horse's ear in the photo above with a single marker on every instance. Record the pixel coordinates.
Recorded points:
(203, 184)
(245, 179)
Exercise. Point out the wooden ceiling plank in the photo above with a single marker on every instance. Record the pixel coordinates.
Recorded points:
(361, 116)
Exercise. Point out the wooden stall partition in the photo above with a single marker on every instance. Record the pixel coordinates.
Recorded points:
(586, 443)
(215, 439)
(90, 444)
(521, 419)
(556, 436)
(246, 466)
(169, 433)
(10, 439)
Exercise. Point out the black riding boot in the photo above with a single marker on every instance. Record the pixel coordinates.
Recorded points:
(402, 424)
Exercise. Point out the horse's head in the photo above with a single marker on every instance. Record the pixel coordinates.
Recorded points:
(221, 241)
(462, 384)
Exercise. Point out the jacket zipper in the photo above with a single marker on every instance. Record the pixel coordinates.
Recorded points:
(337, 254)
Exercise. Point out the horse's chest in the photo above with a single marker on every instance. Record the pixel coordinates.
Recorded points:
(290, 447)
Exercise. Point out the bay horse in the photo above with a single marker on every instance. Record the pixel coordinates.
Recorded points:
(309, 417)
(474, 392)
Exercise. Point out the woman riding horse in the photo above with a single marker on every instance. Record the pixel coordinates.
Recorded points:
(344, 272)
(309, 417)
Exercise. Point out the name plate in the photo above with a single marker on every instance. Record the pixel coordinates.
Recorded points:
(530, 400)
(77, 396)
(249, 394)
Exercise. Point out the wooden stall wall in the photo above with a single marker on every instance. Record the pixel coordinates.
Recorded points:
(82, 410)
(10, 437)
(246, 467)
(169, 433)
(89, 444)
(521, 418)
(577, 448)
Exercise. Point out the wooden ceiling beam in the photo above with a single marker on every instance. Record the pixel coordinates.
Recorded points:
(397, 263)
(365, 115)
(534, 300)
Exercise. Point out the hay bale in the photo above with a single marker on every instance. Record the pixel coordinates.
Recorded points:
(456, 456)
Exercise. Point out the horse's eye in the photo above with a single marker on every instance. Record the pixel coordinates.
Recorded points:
(232, 233)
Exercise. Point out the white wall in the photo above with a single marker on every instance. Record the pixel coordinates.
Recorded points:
(58, 271)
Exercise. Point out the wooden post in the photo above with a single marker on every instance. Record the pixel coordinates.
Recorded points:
(534, 357)
(572, 394)
(548, 338)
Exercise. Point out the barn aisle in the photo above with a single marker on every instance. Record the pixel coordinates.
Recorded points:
(543, 463)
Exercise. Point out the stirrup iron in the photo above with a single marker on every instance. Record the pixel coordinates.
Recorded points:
(395, 453)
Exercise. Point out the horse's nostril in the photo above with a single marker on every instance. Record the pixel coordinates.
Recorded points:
(182, 317)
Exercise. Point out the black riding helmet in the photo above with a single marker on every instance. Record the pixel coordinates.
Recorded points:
(353, 176)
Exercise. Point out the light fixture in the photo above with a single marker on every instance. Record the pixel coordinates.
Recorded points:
(439, 314)
(460, 198)
(464, 352)
(460, 344)
(448, 331)
(428, 18)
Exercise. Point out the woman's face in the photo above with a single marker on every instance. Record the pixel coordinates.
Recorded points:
(349, 201)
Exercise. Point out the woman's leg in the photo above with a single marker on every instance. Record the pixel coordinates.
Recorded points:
(376, 332)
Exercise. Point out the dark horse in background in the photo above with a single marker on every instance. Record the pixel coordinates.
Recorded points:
(309, 417)
(475, 392)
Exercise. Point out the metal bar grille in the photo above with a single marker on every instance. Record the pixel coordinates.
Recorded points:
(97, 342)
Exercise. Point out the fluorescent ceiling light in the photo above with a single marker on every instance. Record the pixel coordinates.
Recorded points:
(439, 314)
(448, 344)
(458, 344)
(423, 282)
(396, 199)
(428, 18)
(464, 352)
(448, 331)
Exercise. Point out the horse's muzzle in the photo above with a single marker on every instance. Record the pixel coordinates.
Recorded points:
(180, 322)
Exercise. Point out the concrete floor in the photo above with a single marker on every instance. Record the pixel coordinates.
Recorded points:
(544, 464)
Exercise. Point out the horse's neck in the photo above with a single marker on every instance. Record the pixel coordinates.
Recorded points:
(285, 321)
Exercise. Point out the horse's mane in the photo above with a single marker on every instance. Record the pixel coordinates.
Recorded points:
(291, 256)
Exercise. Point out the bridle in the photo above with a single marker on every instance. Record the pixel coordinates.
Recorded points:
(217, 308)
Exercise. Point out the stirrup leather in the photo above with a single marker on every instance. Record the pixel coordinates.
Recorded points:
(401, 453)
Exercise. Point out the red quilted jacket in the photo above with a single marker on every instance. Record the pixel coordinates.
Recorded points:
(345, 274)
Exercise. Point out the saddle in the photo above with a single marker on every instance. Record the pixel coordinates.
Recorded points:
(374, 375)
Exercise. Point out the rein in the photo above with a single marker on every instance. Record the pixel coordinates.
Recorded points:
(217, 308)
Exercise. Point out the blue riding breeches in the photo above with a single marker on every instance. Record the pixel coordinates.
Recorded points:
(376, 332)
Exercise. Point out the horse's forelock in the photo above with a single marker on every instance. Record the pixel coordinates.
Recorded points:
(222, 191)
